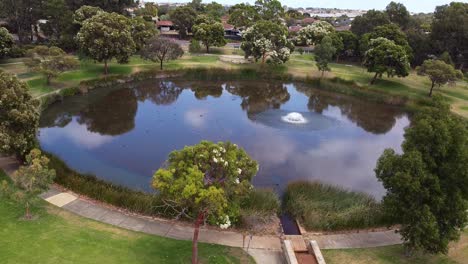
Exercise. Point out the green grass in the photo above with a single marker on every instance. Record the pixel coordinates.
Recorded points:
(58, 236)
(395, 255)
(320, 207)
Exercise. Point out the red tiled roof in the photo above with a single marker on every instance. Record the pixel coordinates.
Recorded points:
(295, 28)
(164, 23)
(227, 26)
(308, 20)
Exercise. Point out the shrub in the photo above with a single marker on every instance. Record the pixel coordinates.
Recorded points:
(263, 201)
(321, 207)
(195, 46)
(300, 50)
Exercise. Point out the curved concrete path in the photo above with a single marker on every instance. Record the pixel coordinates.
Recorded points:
(174, 229)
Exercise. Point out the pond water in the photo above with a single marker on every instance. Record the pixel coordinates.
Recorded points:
(124, 134)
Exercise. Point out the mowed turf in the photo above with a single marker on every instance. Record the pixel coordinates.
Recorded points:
(58, 236)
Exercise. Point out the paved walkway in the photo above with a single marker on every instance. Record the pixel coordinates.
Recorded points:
(261, 246)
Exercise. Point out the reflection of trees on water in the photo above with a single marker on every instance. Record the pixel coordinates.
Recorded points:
(260, 96)
(113, 115)
(203, 90)
(372, 117)
(160, 93)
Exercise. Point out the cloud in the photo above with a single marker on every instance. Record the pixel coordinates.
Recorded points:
(196, 117)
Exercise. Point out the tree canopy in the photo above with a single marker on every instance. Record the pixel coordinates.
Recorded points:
(324, 53)
(106, 36)
(427, 185)
(243, 15)
(398, 14)
(439, 72)
(184, 18)
(161, 50)
(19, 117)
(313, 34)
(367, 22)
(6, 42)
(269, 9)
(267, 39)
(206, 181)
(210, 33)
(384, 56)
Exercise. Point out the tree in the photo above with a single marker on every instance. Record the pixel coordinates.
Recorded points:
(6, 42)
(420, 44)
(324, 53)
(142, 31)
(448, 34)
(398, 14)
(32, 179)
(367, 22)
(106, 36)
(269, 9)
(206, 182)
(439, 73)
(427, 185)
(350, 43)
(22, 16)
(59, 25)
(243, 15)
(118, 6)
(150, 9)
(337, 43)
(313, 34)
(389, 31)
(210, 33)
(160, 50)
(19, 117)
(184, 19)
(85, 12)
(267, 39)
(196, 5)
(384, 56)
(50, 61)
(215, 10)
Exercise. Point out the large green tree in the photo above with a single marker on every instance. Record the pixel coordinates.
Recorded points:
(384, 56)
(184, 18)
(106, 36)
(210, 33)
(243, 15)
(324, 53)
(389, 31)
(350, 43)
(142, 31)
(85, 12)
(214, 10)
(450, 33)
(6, 42)
(267, 39)
(118, 6)
(427, 185)
(269, 9)
(439, 72)
(206, 182)
(19, 117)
(367, 22)
(50, 62)
(161, 50)
(398, 14)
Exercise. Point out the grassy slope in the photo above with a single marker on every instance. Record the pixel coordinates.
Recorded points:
(394, 254)
(61, 237)
(413, 86)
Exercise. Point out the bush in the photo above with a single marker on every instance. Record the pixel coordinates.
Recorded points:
(263, 201)
(194, 46)
(17, 52)
(300, 50)
(321, 207)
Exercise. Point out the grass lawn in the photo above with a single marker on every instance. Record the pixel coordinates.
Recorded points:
(394, 254)
(58, 236)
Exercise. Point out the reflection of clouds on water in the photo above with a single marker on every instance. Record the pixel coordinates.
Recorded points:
(78, 134)
(346, 162)
(196, 117)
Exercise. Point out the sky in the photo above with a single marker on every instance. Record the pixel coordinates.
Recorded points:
(412, 5)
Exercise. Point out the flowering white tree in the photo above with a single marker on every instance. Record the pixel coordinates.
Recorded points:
(206, 182)
(266, 39)
(313, 34)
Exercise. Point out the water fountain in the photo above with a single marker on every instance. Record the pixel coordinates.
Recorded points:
(294, 118)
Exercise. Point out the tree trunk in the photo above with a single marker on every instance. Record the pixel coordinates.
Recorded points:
(375, 78)
(432, 87)
(48, 80)
(198, 222)
(323, 72)
(207, 48)
(28, 213)
(161, 64)
(263, 57)
(105, 67)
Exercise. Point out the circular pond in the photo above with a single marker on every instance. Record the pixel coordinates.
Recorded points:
(124, 134)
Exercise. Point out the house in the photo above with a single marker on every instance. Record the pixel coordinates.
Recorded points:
(165, 25)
